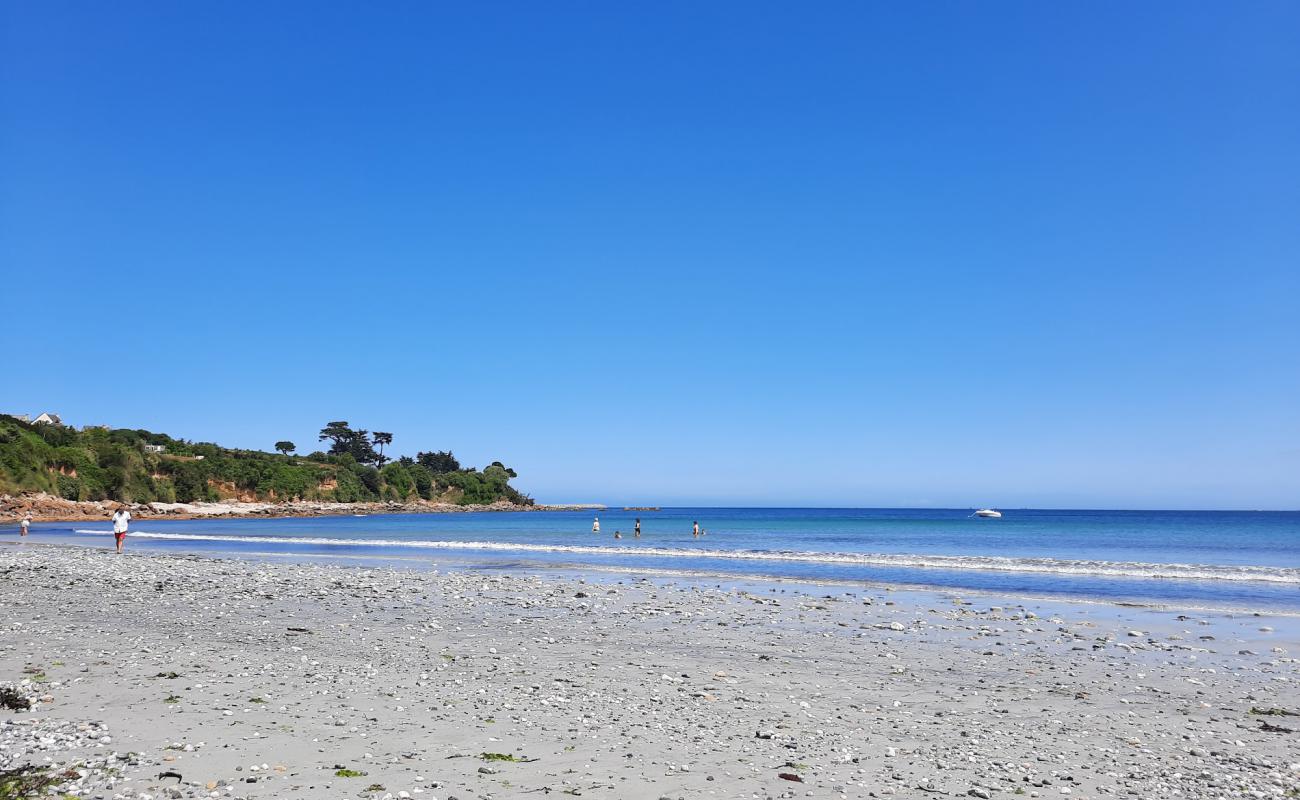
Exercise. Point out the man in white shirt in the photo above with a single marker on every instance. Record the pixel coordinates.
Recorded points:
(120, 519)
(26, 523)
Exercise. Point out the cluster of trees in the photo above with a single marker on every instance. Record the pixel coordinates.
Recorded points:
(429, 475)
(359, 444)
(125, 465)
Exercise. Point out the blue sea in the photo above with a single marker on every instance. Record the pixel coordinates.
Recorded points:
(1218, 559)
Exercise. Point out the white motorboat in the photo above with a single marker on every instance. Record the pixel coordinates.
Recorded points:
(988, 513)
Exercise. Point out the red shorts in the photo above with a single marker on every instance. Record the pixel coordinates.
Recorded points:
(119, 535)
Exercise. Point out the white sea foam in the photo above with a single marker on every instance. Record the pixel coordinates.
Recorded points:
(1051, 566)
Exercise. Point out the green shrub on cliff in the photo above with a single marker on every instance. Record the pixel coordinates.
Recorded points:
(398, 483)
(126, 465)
(22, 456)
(69, 487)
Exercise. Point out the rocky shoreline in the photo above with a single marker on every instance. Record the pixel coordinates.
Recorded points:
(153, 676)
(49, 508)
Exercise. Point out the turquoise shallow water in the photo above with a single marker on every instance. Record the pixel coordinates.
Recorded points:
(1217, 558)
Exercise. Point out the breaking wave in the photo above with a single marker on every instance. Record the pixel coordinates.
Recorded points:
(1051, 566)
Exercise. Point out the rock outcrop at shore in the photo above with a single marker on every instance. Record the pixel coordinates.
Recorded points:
(49, 508)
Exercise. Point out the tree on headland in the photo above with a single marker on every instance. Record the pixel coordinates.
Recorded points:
(335, 432)
(438, 462)
(510, 472)
(345, 441)
(381, 438)
(487, 486)
(286, 447)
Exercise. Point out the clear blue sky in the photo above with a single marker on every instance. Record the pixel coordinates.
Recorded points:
(848, 253)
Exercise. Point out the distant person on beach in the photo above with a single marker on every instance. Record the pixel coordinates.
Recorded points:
(120, 519)
(696, 530)
(637, 530)
(595, 525)
(26, 523)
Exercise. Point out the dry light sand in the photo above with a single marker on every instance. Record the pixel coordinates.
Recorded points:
(156, 676)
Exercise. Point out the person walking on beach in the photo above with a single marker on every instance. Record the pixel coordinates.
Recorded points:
(120, 519)
(26, 523)
(696, 530)
(595, 525)
(636, 531)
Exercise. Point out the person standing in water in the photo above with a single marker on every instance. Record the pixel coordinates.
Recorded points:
(26, 523)
(696, 530)
(595, 525)
(636, 531)
(121, 518)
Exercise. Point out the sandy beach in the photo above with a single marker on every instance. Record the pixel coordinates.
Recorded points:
(156, 676)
